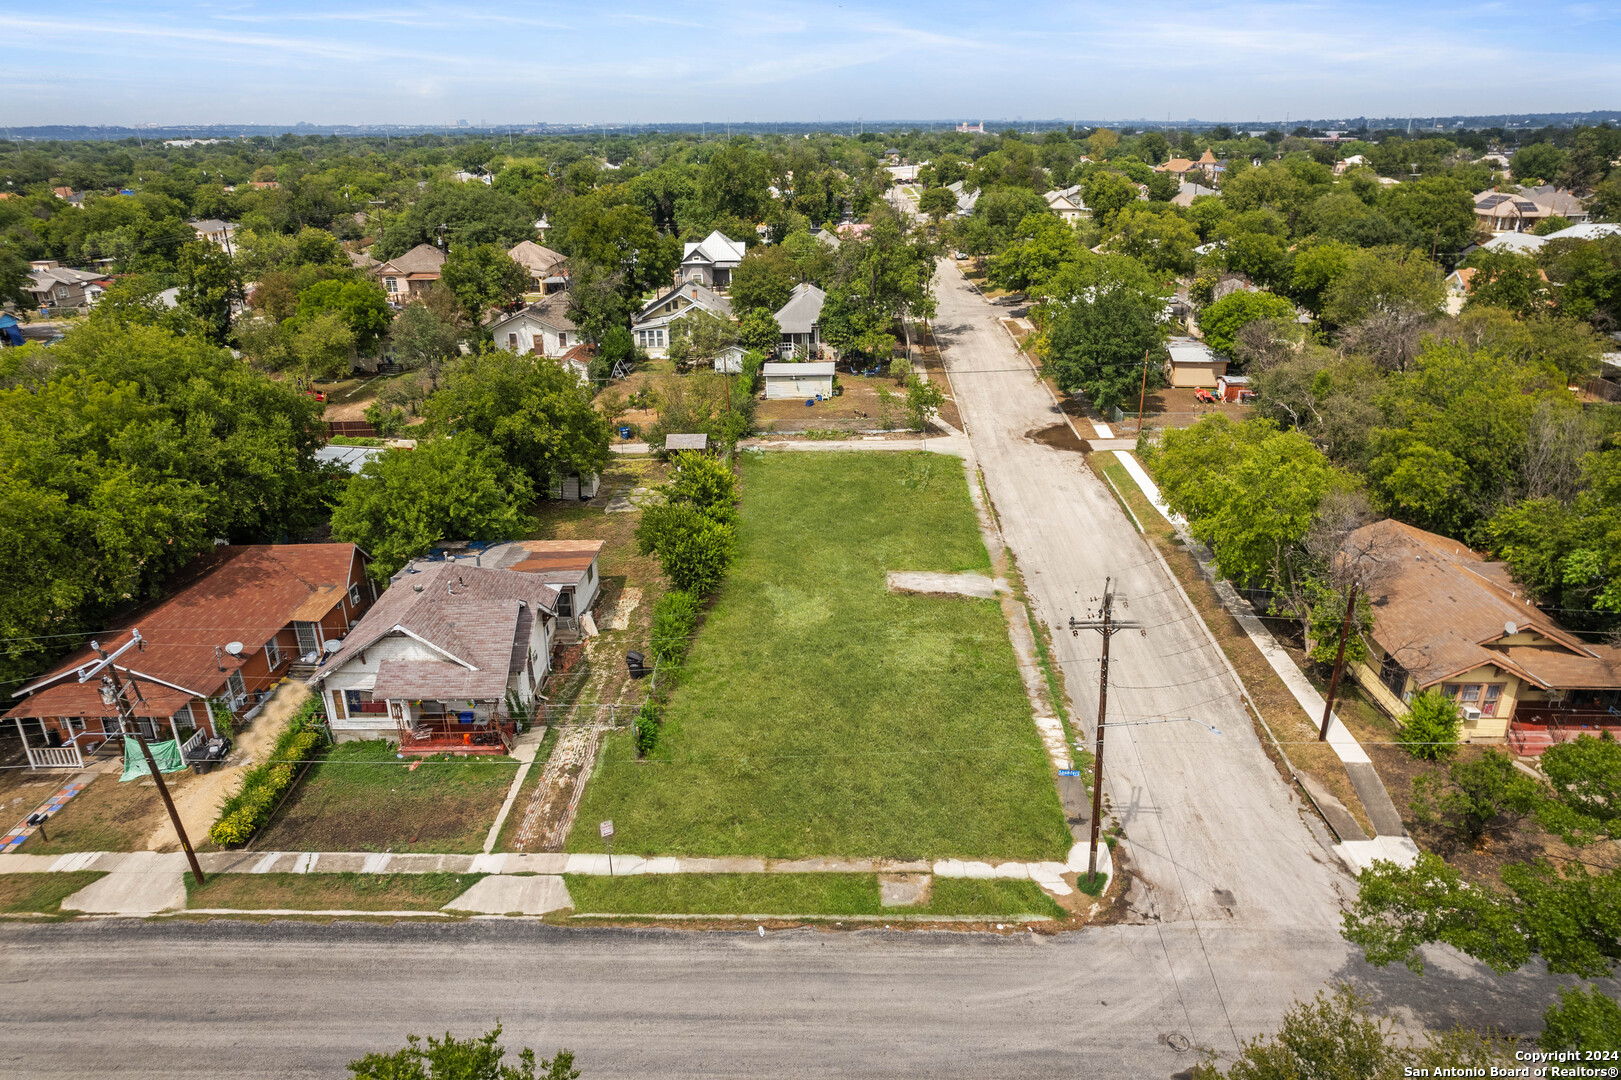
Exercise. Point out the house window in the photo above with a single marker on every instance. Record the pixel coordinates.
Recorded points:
(391, 284)
(512, 342)
(273, 654)
(1393, 675)
(354, 592)
(360, 701)
(1482, 696)
(565, 604)
(562, 340)
(309, 638)
(61, 292)
(236, 691)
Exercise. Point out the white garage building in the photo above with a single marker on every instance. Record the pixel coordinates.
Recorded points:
(798, 380)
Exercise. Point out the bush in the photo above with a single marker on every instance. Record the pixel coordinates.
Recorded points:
(647, 729)
(385, 419)
(675, 619)
(264, 786)
(1430, 731)
(1583, 1020)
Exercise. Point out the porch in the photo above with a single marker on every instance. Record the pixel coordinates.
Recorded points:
(476, 737)
(1537, 727)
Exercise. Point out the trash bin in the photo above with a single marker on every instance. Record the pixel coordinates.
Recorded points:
(636, 663)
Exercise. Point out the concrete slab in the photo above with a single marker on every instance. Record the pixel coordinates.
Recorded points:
(1358, 855)
(820, 866)
(502, 894)
(1334, 812)
(144, 888)
(1375, 799)
(903, 890)
(932, 584)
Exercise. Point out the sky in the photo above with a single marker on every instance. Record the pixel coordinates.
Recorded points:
(410, 62)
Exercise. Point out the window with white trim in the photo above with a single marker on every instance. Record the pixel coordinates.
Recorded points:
(354, 592)
(273, 654)
(391, 284)
(236, 691)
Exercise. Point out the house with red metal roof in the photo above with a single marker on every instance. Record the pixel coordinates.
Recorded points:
(237, 621)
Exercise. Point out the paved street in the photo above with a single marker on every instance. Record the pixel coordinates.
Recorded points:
(138, 1000)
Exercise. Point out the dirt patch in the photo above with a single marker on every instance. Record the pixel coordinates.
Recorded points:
(1058, 436)
(198, 804)
(111, 816)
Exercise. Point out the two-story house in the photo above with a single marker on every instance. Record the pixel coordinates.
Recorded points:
(711, 260)
(406, 276)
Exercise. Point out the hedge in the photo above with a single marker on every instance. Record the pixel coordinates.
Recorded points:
(264, 785)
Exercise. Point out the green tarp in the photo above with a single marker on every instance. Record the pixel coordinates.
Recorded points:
(166, 754)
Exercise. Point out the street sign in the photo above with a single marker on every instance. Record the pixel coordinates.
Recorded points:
(606, 828)
(1069, 772)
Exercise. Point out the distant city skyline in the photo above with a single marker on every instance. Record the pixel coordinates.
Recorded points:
(252, 62)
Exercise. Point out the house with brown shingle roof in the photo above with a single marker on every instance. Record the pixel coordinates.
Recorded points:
(407, 275)
(239, 620)
(543, 328)
(545, 266)
(1447, 618)
(444, 662)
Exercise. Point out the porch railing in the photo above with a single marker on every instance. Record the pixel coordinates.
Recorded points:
(54, 757)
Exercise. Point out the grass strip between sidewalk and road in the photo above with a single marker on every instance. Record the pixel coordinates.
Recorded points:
(42, 893)
(797, 894)
(328, 892)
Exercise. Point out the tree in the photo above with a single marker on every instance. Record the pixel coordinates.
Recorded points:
(693, 533)
(1002, 211)
(1438, 211)
(483, 276)
(878, 279)
(420, 339)
(923, 401)
(1041, 247)
(1585, 777)
(1222, 321)
(1383, 280)
(1430, 730)
(1248, 490)
(764, 279)
(1334, 1037)
(479, 1058)
(405, 501)
(1098, 343)
(758, 330)
(1506, 280)
(1315, 268)
(1158, 237)
(209, 287)
(938, 203)
(532, 412)
(362, 305)
(1583, 1020)
(1586, 276)
(717, 405)
(1475, 795)
(733, 181)
(1569, 919)
(471, 214)
(1108, 193)
(1538, 162)
(320, 345)
(700, 337)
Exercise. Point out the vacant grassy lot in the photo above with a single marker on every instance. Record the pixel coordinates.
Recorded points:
(362, 798)
(796, 894)
(41, 892)
(821, 714)
(328, 892)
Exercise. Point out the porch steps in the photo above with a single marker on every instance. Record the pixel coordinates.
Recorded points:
(1530, 742)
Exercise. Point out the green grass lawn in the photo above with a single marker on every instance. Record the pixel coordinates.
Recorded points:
(796, 894)
(821, 714)
(360, 797)
(42, 892)
(328, 892)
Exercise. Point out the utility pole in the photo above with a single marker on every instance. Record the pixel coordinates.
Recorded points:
(1107, 625)
(1142, 395)
(112, 693)
(1339, 663)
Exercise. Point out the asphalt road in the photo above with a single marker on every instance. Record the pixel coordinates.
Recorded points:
(136, 1000)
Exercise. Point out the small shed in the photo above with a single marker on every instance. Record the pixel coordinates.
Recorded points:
(798, 380)
(575, 486)
(1192, 364)
(730, 361)
(1234, 388)
(698, 442)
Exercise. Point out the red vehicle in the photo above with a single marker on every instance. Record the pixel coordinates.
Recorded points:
(1207, 397)
(318, 395)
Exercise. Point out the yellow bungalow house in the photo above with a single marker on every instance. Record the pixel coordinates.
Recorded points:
(1444, 617)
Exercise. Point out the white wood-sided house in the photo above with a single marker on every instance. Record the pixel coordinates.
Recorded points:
(444, 661)
(651, 325)
(542, 328)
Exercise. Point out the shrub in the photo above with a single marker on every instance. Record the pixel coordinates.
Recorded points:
(675, 619)
(1431, 729)
(1474, 795)
(647, 728)
(264, 786)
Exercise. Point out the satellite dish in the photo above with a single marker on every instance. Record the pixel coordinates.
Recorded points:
(331, 646)
(234, 648)
(1510, 629)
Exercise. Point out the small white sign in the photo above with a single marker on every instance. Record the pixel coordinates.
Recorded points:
(606, 828)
